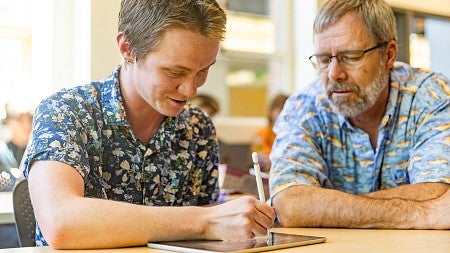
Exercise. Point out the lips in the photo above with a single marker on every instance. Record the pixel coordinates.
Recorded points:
(343, 92)
(179, 102)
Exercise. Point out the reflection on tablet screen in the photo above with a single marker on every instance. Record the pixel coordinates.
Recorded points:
(276, 241)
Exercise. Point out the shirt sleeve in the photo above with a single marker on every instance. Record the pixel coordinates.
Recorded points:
(430, 148)
(57, 134)
(296, 155)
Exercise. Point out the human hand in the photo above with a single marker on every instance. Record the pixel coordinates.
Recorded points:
(239, 219)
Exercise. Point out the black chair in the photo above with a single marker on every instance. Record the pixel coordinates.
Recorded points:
(24, 215)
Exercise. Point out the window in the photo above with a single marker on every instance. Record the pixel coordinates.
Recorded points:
(15, 51)
(253, 63)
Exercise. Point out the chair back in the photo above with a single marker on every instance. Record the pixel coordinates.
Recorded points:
(24, 215)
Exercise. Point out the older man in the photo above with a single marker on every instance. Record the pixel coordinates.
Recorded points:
(367, 145)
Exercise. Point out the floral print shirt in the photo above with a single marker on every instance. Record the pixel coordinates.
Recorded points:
(315, 146)
(86, 127)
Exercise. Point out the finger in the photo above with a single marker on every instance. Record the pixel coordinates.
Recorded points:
(258, 229)
(266, 210)
(262, 222)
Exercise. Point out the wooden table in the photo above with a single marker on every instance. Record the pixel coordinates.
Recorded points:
(6, 208)
(339, 240)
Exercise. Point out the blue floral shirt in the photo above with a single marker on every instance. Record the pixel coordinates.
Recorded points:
(315, 146)
(86, 127)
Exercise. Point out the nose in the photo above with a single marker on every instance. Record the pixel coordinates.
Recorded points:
(335, 71)
(188, 88)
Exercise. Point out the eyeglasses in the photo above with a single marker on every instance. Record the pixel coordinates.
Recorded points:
(346, 59)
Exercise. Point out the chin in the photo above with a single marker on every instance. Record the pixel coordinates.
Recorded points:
(172, 112)
(346, 110)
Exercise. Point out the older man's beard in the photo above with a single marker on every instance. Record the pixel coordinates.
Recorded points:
(366, 96)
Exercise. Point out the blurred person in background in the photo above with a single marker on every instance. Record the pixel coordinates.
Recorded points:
(18, 121)
(264, 137)
(208, 104)
(17, 124)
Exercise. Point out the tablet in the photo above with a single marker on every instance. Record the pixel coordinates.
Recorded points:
(276, 241)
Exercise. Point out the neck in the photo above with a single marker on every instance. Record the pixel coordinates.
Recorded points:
(369, 120)
(143, 119)
(145, 123)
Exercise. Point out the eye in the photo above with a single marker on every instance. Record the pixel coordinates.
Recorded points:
(350, 57)
(204, 71)
(323, 59)
(175, 73)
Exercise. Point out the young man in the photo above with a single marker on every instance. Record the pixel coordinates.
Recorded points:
(367, 144)
(126, 160)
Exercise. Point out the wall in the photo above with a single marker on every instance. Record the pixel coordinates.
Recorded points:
(436, 7)
(73, 42)
(53, 41)
(438, 34)
(105, 54)
(303, 42)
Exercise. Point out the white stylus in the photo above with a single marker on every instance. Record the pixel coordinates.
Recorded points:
(259, 182)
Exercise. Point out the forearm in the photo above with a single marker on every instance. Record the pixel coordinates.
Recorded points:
(307, 206)
(419, 192)
(95, 223)
(68, 220)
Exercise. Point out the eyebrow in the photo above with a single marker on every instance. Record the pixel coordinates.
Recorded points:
(343, 51)
(181, 67)
(340, 52)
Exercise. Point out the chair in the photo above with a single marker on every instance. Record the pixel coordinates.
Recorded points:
(24, 215)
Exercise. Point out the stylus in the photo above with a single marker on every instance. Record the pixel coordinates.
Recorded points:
(259, 182)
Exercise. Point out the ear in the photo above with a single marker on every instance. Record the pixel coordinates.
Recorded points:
(124, 47)
(391, 53)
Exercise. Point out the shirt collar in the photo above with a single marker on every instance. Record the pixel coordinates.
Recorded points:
(112, 103)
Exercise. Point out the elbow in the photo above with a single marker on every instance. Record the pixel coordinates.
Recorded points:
(58, 233)
(58, 237)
